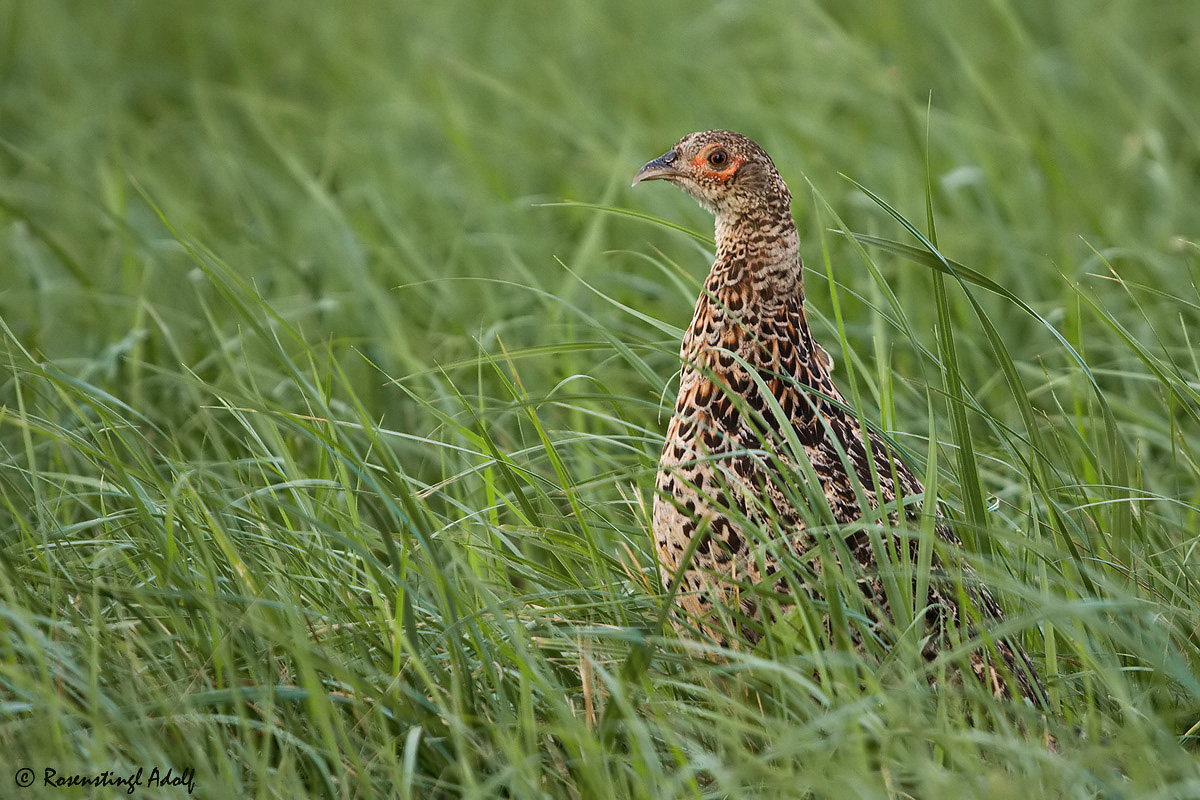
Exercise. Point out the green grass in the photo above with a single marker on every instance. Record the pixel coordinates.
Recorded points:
(327, 432)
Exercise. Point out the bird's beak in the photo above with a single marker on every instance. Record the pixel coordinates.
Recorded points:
(658, 169)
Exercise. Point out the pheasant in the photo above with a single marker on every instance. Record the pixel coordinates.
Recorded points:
(753, 379)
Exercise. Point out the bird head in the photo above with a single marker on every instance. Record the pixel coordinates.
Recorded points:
(724, 171)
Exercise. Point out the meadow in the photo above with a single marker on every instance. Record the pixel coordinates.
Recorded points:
(338, 353)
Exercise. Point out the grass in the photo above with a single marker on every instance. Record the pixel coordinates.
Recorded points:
(327, 432)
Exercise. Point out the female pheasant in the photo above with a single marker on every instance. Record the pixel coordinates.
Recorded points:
(752, 380)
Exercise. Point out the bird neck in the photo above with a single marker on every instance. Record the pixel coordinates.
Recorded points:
(759, 249)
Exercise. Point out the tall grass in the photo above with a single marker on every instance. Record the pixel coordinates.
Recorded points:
(328, 434)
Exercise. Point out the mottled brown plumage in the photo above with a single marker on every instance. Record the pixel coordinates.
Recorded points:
(725, 457)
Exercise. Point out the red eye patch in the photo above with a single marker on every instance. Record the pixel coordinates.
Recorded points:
(705, 170)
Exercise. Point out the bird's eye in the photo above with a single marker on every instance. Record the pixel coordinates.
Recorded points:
(718, 158)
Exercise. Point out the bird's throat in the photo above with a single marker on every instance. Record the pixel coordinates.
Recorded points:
(761, 251)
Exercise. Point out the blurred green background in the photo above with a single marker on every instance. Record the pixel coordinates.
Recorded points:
(333, 154)
(328, 428)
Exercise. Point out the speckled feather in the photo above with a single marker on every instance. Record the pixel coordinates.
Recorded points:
(725, 439)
